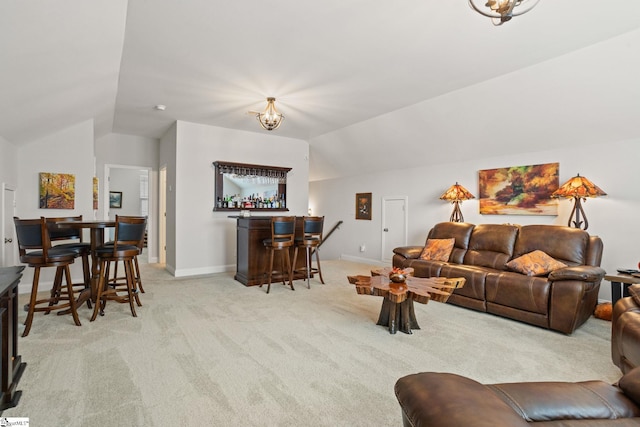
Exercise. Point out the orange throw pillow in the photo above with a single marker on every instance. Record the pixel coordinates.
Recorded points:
(438, 249)
(536, 263)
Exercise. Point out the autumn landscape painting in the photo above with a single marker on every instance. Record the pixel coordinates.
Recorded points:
(57, 190)
(519, 190)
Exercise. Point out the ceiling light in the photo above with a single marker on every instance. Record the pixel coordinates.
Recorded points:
(501, 11)
(160, 107)
(270, 119)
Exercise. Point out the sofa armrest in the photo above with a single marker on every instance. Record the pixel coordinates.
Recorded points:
(585, 273)
(449, 400)
(409, 252)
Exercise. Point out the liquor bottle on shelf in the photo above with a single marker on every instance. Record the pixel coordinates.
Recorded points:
(283, 203)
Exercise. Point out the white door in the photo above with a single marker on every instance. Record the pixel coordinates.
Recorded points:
(8, 229)
(394, 225)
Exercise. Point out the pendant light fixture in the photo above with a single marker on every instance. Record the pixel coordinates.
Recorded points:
(270, 118)
(501, 11)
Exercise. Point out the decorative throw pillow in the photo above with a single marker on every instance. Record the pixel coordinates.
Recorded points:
(536, 263)
(438, 249)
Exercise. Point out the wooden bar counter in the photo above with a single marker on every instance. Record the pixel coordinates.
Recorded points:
(251, 254)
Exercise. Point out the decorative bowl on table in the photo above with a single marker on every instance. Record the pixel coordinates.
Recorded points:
(398, 276)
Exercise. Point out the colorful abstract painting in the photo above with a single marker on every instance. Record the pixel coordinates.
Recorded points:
(95, 193)
(57, 190)
(519, 190)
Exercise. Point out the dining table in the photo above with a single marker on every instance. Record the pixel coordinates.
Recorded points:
(96, 229)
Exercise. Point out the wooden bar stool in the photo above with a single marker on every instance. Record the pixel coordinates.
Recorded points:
(310, 240)
(73, 241)
(129, 231)
(35, 250)
(282, 240)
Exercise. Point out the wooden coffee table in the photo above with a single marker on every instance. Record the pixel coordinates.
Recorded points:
(397, 306)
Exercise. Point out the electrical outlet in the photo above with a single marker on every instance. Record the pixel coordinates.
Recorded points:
(363, 248)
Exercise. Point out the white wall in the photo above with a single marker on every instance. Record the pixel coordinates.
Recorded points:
(612, 166)
(168, 151)
(205, 240)
(67, 151)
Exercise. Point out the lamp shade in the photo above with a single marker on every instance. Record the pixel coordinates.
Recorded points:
(456, 193)
(578, 187)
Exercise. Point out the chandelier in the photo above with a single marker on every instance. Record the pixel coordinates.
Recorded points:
(270, 119)
(501, 11)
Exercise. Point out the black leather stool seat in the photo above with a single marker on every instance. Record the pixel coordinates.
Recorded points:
(54, 255)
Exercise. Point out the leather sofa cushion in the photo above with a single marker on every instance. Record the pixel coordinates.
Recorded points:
(474, 286)
(567, 245)
(491, 245)
(518, 291)
(634, 292)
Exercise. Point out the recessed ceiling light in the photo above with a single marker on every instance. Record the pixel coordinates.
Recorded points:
(160, 107)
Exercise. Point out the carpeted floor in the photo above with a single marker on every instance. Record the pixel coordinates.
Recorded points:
(210, 351)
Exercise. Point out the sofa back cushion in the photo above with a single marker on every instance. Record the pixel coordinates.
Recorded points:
(491, 245)
(565, 244)
(461, 231)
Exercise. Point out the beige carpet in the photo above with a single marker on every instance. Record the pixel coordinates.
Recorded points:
(209, 351)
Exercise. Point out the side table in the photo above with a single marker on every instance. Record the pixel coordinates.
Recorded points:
(620, 284)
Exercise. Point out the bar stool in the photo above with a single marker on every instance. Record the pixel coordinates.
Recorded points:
(82, 249)
(35, 250)
(129, 231)
(282, 239)
(136, 268)
(310, 240)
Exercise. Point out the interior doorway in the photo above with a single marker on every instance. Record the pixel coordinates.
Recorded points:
(9, 243)
(394, 225)
(128, 192)
(162, 216)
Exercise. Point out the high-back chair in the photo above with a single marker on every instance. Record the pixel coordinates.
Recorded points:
(136, 268)
(35, 250)
(310, 241)
(72, 239)
(282, 239)
(129, 230)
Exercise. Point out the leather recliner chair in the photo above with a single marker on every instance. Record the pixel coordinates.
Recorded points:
(449, 400)
(625, 331)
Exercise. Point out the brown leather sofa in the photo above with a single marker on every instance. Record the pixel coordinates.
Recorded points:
(449, 400)
(625, 331)
(562, 300)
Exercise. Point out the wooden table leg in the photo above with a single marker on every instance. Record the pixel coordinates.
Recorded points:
(398, 316)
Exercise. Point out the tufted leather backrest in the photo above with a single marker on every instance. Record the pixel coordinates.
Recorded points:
(491, 245)
(566, 244)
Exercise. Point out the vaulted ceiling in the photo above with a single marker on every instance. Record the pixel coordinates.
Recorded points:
(330, 63)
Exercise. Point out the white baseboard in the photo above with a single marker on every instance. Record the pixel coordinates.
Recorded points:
(364, 260)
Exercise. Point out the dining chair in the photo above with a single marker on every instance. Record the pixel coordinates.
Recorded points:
(310, 241)
(35, 249)
(281, 240)
(128, 232)
(72, 238)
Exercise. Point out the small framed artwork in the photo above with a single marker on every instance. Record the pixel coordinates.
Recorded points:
(363, 206)
(115, 199)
